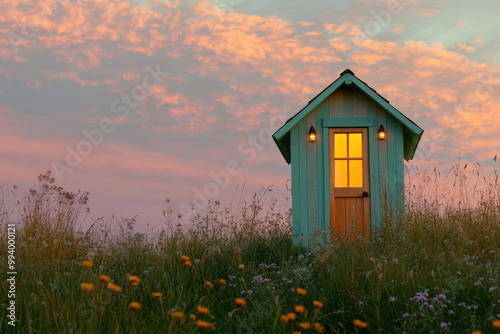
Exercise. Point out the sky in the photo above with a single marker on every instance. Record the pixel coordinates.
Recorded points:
(138, 101)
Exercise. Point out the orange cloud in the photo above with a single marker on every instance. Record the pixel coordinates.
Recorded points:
(76, 78)
(463, 46)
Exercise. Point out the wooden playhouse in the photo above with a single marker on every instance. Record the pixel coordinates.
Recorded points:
(346, 150)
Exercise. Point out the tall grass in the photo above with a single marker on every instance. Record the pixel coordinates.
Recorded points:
(430, 271)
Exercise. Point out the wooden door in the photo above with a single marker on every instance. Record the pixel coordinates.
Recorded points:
(349, 182)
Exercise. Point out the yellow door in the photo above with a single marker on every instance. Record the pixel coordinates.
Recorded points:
(349, 182)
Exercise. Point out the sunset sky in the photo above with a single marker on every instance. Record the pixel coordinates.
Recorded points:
(171, 93)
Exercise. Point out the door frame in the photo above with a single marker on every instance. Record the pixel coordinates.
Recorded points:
(349, 192)
(351, 122)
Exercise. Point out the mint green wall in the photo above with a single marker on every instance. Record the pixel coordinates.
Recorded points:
(346, 107)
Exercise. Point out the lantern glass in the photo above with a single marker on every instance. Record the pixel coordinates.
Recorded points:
(381, 133)
(312, 134)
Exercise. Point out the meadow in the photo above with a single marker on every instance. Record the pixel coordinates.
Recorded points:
(433, 269)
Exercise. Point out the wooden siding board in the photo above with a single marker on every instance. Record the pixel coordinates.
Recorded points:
(312, 178)
(349, 101)
(322, 112)
(336, 102)
(391, 163)
(361, 103)
(294, 150)
(374, 172)
(373, 144)
(326, 178)
(304, 199)
(352, 122)
(400, 178)
(382, 145)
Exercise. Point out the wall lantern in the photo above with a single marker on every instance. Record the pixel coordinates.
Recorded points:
(312, 134)
(381, 133)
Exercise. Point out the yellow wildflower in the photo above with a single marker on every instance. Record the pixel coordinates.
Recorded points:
(87, 264)
(187, 264)
(135, 305)
(296, 332)
(305, 325)
(496, 324)
(192, 317)
(203, 310)
(240, 302)
(372, 259)
(477, 332)
(301, 292)
(318, 327)
(317, 304)
(360, 324)
(299, 309)
(134, 279)
(222, 281)
(184, 258)
(113, 287)
(205, 325)
(87, 287)
(209, 284)
(177, 315)
(104, 278)
(283, 319)
(322, 260)
(291, 316)
(241, 266)
(157, 294)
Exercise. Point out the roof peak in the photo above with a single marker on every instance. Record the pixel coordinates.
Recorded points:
(347, 71)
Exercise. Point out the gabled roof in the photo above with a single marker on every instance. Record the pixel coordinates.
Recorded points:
(412, 131)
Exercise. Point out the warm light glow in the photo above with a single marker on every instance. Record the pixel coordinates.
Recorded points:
(312, 134)
(348, 156)
(340, 146)
(355, 173)
(355, 145)
(341, 173)
(381, 133)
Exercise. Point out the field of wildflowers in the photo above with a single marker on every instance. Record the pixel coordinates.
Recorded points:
(238, 271)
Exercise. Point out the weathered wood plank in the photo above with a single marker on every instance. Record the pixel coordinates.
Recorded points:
(312, 177)
(296, 214)
(322, 112)
(304, 199)
(336, 101)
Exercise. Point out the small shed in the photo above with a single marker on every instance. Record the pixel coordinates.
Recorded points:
(346, 150)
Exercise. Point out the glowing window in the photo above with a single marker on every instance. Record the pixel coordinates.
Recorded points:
(348, 160)
(340, 145)
(355, 173)
(355, 145)
(341, 173)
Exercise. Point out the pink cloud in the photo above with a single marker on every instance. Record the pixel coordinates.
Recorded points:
(51, 76)
(477, 39)
(463, 46)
